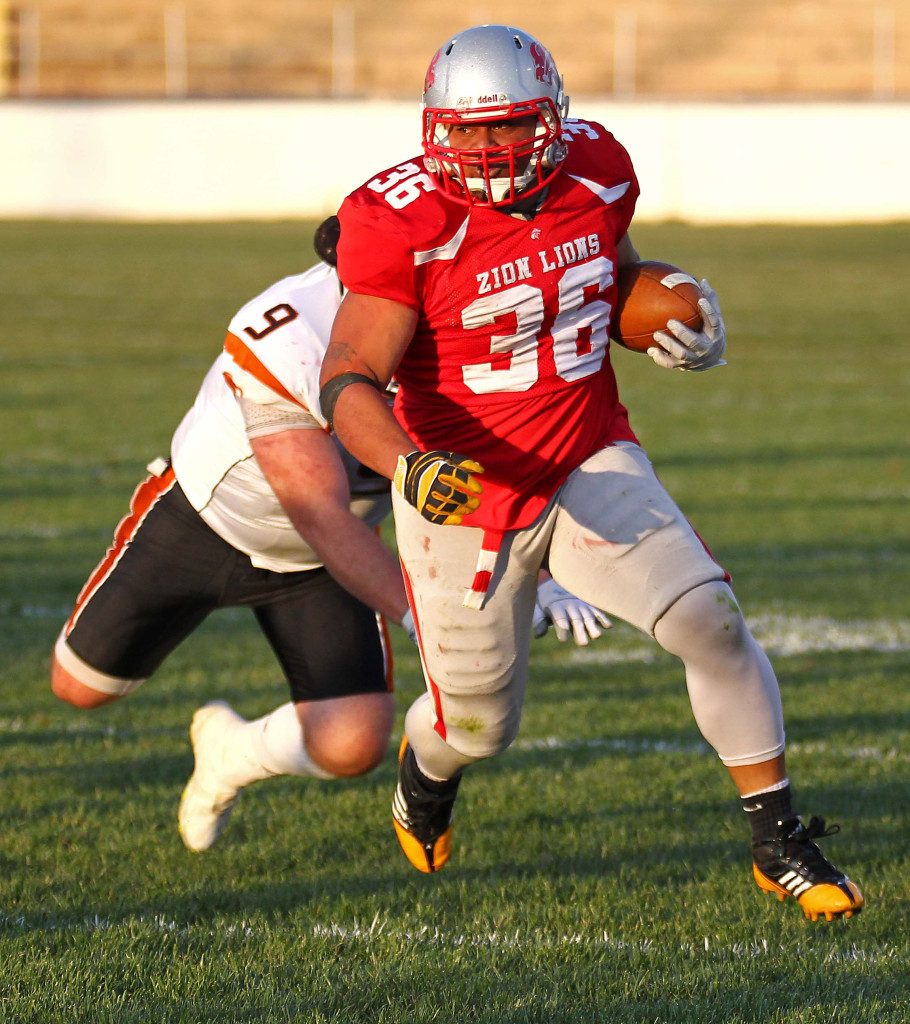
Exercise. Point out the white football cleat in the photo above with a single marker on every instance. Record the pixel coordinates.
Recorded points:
(208, 799)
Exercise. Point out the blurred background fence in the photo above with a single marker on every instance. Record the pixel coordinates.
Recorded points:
(648, 49)
(733, 110)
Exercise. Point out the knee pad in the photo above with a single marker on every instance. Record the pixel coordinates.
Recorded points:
(704, 620)
(458, 733)
(480, 726)
(477, 690)
(732, 687)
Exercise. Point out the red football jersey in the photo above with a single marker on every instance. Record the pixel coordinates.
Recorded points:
(509, 363)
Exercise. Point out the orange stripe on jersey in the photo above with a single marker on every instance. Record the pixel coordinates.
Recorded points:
(246, 360)
(144, 499)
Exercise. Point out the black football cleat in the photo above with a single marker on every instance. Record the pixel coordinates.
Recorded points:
(790, 864)
(422, 817)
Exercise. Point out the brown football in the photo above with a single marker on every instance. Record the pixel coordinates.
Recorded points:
(651, 293)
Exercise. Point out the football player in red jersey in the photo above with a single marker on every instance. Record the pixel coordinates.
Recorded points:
(482, 275)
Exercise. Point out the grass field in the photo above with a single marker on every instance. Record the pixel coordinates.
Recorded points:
(601, 871)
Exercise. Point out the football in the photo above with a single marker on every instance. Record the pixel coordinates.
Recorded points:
(651, 293)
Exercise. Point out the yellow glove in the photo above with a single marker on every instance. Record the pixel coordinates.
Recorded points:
(440, 485)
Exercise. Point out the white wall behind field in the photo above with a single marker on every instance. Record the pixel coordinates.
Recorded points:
(254, 159)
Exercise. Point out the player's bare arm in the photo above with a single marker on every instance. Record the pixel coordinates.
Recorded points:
(368, 337)
(307, 476)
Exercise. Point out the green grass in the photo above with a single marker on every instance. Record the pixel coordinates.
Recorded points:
(601, 869)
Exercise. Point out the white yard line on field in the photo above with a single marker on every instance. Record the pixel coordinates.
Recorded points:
(786, 634)
(625, 745)
(377, 931)
(781, 636)
(14, 610)
(537, 939)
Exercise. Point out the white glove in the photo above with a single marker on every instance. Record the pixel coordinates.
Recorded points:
(569, 614)
(681, 348)
(407, 624)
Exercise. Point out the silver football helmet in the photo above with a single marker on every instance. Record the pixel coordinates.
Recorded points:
(493, 74)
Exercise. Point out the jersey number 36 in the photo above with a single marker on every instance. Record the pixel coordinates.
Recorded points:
(579, 330)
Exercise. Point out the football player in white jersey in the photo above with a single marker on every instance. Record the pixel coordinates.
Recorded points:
(259, 505)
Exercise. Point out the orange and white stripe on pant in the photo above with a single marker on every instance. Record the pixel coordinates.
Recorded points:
(144, 499)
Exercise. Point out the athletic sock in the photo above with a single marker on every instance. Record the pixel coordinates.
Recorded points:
(269, 746)
(440, 787)
(766, 808)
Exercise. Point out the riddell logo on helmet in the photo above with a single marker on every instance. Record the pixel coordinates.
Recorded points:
(543, 63)
(499, 98)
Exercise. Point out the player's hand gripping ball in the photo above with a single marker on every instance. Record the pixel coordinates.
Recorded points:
(440, 485)
(649, 296)
(665, 312)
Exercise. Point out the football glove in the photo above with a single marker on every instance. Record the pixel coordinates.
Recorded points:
(681, 348)
(440, 485)
(569, 614)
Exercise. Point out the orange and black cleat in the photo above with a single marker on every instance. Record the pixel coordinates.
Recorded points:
(790, 864)
(422, 813)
